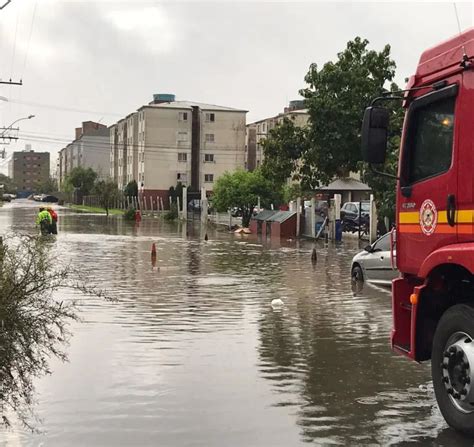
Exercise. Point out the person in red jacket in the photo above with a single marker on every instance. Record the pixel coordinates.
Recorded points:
(54, 217)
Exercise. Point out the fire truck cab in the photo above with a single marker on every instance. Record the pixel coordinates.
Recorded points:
(433, 299)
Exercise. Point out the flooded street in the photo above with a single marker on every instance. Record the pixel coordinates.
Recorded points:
(192, 353)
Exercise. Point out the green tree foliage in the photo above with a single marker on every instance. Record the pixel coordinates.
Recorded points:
(49, 186)
(336, 96)
(242, 189)
(8, 184)
(82, 179)
(285, 145)
(131, 190)
(292, 191)
(107, 192)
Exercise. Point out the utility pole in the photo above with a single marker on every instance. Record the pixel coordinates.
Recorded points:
(10, 82)
(7, 137)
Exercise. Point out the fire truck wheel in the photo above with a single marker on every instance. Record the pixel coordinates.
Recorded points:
(452, 367)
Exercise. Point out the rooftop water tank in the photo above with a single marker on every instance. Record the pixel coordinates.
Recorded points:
(163, 97)
(297, 104)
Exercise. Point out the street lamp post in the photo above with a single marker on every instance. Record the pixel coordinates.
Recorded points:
(14, 122)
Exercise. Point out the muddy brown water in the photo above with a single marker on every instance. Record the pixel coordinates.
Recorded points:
(192, 353)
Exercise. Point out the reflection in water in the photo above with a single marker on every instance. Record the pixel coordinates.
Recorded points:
(327, 353)
(193, 353)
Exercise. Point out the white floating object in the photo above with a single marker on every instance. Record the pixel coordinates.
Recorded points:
(277, 303)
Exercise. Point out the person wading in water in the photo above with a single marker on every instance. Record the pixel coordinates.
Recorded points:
(54, 218)
(44, 221)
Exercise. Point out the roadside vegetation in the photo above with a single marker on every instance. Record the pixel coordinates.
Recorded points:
(97, 210)
(329, 146)
(243, 189)
(34, 320)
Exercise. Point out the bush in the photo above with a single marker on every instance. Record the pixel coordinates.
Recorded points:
(172, 214)
(34, 324)
(129, 214)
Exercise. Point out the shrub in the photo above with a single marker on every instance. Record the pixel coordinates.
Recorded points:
(172, 214)
(129, 214)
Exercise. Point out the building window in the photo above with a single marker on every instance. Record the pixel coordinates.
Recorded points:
(209, 138)
(209, 158)
(210, 117)
(183, 116)
(263, 127)
(182, 136)
(181, 177)
(209, 178)
(182, 156)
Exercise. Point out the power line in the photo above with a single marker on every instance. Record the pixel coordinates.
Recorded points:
(6, 4)
(64, 109)
(108, 147)
(29, 38)
(14, 45)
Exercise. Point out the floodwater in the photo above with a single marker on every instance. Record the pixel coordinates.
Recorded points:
(192, 354)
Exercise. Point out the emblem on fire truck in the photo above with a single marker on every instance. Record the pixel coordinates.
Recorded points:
(428, 217)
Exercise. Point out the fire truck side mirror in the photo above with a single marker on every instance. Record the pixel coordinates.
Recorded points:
(374, 134)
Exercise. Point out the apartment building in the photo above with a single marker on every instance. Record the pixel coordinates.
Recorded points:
(89, 149)
(29, 169)
(124, 150)
(177, 141)
(258, 131)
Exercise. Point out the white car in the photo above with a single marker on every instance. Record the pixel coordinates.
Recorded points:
(374, 264)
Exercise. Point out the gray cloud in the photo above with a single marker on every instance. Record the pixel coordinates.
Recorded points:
(110, 57)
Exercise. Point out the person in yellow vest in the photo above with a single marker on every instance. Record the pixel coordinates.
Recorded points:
(44, 220)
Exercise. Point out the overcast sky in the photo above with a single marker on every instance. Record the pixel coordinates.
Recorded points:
(100, 60)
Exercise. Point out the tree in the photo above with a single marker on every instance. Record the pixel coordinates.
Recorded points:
(291, 191)
(49, 186)
(8, 184)
(282, 149)
(82, 179)
(336, 97)
(242, 189)
(131, 190)
(107, 192)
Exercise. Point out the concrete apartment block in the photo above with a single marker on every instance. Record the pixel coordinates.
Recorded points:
(90, 149)
(29, 169)
(258, 131)
(168, 141)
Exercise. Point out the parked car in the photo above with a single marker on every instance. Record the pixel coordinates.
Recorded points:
(6, 198)
(355, 215)
(194, 205)
(373, 264)
(236, 212)
(49, 199)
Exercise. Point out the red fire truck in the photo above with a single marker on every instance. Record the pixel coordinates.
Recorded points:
(433, 299)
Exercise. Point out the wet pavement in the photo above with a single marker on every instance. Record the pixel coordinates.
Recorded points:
(192, 353)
